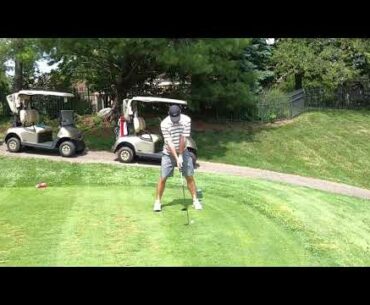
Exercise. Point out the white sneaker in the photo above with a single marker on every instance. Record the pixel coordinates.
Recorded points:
(157, 206)
(197, 205)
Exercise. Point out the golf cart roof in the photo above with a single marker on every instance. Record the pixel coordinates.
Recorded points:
(43, 92)
(153, 99)
(16, 99)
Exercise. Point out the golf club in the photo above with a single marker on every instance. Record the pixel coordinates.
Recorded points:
(183, 192)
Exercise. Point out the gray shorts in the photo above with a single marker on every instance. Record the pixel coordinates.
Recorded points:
(168, 164)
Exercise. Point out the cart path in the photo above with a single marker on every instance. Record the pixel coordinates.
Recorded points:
(206, 167)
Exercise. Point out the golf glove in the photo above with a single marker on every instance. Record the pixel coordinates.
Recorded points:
(180, 161)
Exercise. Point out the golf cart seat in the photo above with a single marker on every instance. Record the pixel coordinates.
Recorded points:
(139, 124)
(140, 128)
(29, 119)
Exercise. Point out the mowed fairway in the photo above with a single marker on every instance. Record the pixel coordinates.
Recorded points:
(99, 215)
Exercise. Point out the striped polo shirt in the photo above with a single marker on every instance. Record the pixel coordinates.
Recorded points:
(173, 131)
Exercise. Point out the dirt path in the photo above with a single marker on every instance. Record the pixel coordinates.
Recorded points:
(206, 167)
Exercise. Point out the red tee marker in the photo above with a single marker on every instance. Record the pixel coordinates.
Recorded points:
(41, 185)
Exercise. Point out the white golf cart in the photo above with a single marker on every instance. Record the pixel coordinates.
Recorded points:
(27, 132)
(139, 142)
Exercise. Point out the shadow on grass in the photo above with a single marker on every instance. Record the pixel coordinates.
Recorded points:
(181, 202)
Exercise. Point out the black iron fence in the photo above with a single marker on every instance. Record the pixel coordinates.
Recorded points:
(283, 107)
(353, 96)
(343, 97)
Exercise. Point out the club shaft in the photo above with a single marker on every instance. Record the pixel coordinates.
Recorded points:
(183, 192)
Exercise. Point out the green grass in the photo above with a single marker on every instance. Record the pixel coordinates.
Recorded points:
(101, 215)
(331, 145)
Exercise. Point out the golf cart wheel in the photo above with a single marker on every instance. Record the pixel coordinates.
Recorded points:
(67, 149)
(14, 144)
(193, 157)
(81, 148)
(125, 154)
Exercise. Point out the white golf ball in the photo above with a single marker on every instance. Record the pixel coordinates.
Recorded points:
(191, 221)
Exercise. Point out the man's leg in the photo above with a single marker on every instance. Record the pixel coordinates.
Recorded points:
(159, 193)
(191, 186)
(167, 166)
(160, 188)
(193, 191)
(188, 171)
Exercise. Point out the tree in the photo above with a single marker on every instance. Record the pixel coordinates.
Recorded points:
(314, 62)
(257, 59)
(359, 55)
(117, 67)
(24, 52)
(214, 70)
(209, 70)
(4, 86)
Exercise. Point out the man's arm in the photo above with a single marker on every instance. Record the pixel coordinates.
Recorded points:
(168, 141)
(182, 144)
(184, 136)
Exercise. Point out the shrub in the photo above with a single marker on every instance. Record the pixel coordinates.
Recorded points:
(81, 106)
(273, 104)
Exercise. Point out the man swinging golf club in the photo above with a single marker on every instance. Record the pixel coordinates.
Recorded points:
(175, 129)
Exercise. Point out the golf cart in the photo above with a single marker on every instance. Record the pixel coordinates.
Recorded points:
(137, 141)
(27, 132)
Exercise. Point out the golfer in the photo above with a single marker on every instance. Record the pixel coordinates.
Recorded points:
(175, 129)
